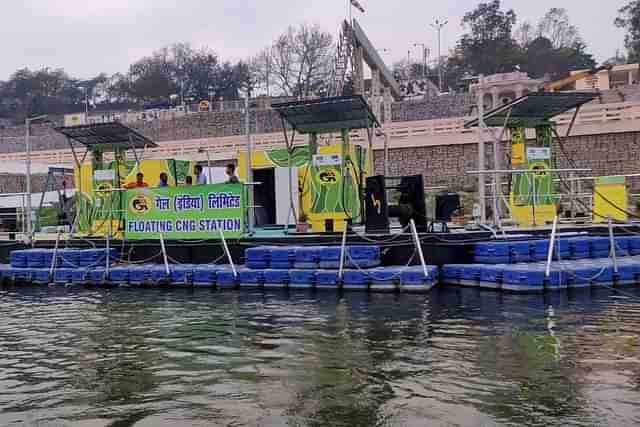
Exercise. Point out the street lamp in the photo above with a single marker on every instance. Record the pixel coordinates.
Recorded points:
(27, 124)
(438, 26)
(425, 53)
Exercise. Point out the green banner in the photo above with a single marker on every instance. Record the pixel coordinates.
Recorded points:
(197, 212)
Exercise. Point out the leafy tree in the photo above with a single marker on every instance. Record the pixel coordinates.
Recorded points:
(629, 19)
(488, 47)
(542, 59)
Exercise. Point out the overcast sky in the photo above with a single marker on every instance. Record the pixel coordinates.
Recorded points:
(86, 37)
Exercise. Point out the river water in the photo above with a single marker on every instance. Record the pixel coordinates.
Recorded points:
(456, 357)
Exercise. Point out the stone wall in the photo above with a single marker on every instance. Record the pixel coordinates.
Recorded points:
(607, 154)
(224, 123)
(16, 183)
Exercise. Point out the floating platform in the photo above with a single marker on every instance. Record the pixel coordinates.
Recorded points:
(362, 276)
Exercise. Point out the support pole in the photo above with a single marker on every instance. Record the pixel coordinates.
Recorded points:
(343, 250)
(386, 151)
(227, 253)
(28, 178)
(52, 269)
(481, 155)
(107, 262)
(250, 203)
(534, 197)
(552, 243)
(164, 256)
(416, 240)
(612, 242)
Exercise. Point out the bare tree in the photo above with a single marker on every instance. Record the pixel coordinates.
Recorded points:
(298, 63)
(525, 34)
(556, 27)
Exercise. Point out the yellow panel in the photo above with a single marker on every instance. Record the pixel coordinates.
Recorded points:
(523, 215)
(151, 169)
(317, 221)
(614, 190)
(84, 176)
(517, 154)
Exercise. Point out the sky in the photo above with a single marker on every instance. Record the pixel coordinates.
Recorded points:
(86, 37)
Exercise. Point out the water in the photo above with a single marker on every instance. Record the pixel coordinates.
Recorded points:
(452, 358)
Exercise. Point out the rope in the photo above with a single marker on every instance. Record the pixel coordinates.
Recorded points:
(369, 273)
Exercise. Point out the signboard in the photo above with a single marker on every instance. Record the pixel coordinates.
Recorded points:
(327, 160)
(104, 175)
(76, 119)
(538, 153)
(185, 212)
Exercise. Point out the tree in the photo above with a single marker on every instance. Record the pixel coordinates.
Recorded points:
(151, 78)
(525, 34)
(556, 27)
(629, 19)
(44, 91)
(542, 59)
(488, 47)
(299, 62)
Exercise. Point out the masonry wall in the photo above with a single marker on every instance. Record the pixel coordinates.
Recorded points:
(225, 123)
(17, 183)
(607, 154)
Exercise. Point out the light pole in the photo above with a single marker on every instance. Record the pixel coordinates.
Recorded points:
(27, 124)
(439, 25)
(424, 58)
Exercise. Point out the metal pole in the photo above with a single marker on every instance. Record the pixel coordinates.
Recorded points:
(386, 152)
(481, 154)
(533, 199)
(439, 60)
(343, 247)
(86, 105)
(54, 260)
(424, 64)
(209, 167)
(552, 242)
(227, 253)
(612, 242)
(28, 177)
(416, 240)
(107, 245)
(251, 219)
(164, 255)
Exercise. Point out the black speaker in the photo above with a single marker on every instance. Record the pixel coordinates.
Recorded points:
(446, 205)
(376, 206)
(412, 204)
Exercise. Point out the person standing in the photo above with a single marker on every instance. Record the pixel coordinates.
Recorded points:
(201, 178)
(164, 180)
(231, 173)
(140, 183)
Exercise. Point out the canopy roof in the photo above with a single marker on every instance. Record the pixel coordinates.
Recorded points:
(534, 108)
(107, 136)
(327, 114)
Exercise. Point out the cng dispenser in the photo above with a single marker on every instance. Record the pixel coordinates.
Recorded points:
(336, 188)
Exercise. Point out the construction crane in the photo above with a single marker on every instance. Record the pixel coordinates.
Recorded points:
(559, 84)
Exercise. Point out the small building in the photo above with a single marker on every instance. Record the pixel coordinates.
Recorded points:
(500, 89)
(619, 75)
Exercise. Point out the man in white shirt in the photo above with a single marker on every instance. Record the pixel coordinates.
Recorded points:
(201, 178)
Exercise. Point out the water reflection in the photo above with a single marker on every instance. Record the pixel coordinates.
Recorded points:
(454, 357)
